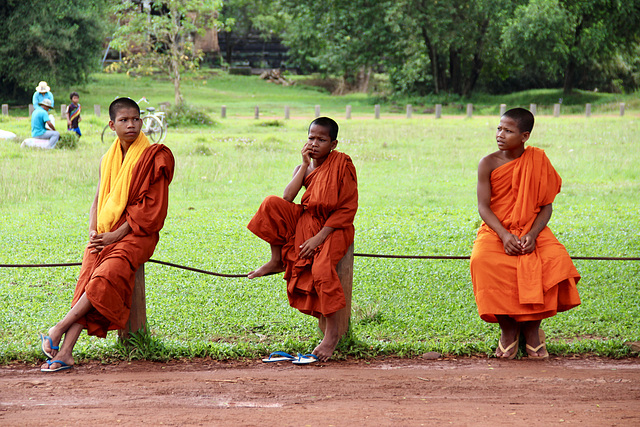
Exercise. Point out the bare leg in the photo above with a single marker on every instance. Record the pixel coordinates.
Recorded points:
(325, 349)
(82, 307)
(531, 331)
(510, 329)
(274, 265)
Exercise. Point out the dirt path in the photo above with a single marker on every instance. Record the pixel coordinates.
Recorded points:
(384, 392)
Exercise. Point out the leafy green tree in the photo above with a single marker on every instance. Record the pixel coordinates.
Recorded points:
(454, 40)
(59, 41)
(570, 37)
(344, 37)
(159, 34)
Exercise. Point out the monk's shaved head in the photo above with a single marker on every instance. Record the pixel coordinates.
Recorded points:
(328, 124)
(522, 117)
(119, 104)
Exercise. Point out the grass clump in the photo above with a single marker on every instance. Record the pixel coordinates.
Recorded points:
(188, 115)
(68, 141)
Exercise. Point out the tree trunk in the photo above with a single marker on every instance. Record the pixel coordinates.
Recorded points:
(433, 57)
(455, 71)
(177, 51)
(569, 72)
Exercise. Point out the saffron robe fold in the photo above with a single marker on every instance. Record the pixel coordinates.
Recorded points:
(108, 277)
(525, 287)
(331, 200)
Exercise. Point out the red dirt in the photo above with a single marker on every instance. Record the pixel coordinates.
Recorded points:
(404, 392)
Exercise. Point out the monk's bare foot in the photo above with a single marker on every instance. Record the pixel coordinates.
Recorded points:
(53, 364)
(54, 340)
(508, 344)
(536, 346)
(325, 349)
(270, 267)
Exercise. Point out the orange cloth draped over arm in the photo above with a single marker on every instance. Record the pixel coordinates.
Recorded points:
(108, 277)
(331, 200)
(532, 286)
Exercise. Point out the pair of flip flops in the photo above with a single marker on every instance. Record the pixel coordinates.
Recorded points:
(281, 356)
(63, 366)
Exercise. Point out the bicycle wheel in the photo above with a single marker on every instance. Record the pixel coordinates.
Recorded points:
(108, 135)
(163, 120)
(152, 127)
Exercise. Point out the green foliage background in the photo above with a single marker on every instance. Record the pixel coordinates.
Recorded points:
(417, 196)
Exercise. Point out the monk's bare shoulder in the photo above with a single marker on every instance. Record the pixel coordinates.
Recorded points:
(491, 161)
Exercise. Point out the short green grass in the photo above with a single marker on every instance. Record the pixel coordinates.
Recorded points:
(417, 196)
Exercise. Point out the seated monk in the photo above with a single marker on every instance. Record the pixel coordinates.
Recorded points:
(309, 239)
(521, 274)
(125, 218)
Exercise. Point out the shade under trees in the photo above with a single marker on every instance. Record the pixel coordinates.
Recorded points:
(59, 41)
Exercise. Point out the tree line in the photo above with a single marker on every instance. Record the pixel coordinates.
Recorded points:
(425, 46)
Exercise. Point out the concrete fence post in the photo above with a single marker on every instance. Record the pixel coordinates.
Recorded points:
(587, 110)
(96, 110)
(317, 111)
(63, 111)
(621, 109)
(5, 109)
(409, 111)
(31, 109)
(533, 108)
(438, 111)
(556, 110)
(138, 315)
(377, 111)
(223, 111)
(256, 113)
(287, 112)
(345, 274)
(503, 109)
(469, 110)
(348, 112)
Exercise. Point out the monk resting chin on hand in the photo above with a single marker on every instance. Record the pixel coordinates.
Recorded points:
(309, 239)
(125, 218)
(521, 274)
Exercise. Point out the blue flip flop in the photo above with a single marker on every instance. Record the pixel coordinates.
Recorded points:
(279, 356)
(62, 366)
(305, 359)
(53, 347)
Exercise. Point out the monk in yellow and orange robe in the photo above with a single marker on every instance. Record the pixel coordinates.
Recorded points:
(309, 239)
(125, 219)
(521, 274)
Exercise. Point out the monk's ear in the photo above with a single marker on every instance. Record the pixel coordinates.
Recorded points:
(112, 125)
(334, 144)
(525, 136)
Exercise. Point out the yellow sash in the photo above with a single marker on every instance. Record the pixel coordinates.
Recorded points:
(115, 181)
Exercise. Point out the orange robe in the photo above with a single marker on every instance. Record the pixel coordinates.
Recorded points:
(331, 200)
(108, 277)
(525, 287)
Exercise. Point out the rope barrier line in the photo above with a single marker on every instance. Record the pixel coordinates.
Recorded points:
(212, 273)
(591, 258)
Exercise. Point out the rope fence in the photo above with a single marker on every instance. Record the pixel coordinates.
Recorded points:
(212, 273)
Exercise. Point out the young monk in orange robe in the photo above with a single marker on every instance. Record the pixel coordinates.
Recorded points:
(309, 239)
(126, 216)
(521, 274)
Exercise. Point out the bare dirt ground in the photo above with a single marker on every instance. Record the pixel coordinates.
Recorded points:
(381, 392)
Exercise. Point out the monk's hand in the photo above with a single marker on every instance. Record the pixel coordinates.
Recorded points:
(528, 243)
(511, 244)
(306, 151)
(308, 248)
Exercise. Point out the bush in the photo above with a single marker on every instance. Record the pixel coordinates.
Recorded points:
(187, 115)
(68, 140)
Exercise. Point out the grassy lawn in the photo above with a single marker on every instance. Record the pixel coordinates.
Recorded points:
(417, 196)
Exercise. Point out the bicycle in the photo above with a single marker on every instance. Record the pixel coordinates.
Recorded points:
(154, 125)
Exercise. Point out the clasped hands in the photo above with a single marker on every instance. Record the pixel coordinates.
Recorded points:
(98, 242)
(514, 245)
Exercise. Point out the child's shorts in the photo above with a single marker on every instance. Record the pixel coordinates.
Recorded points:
(76, 130)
